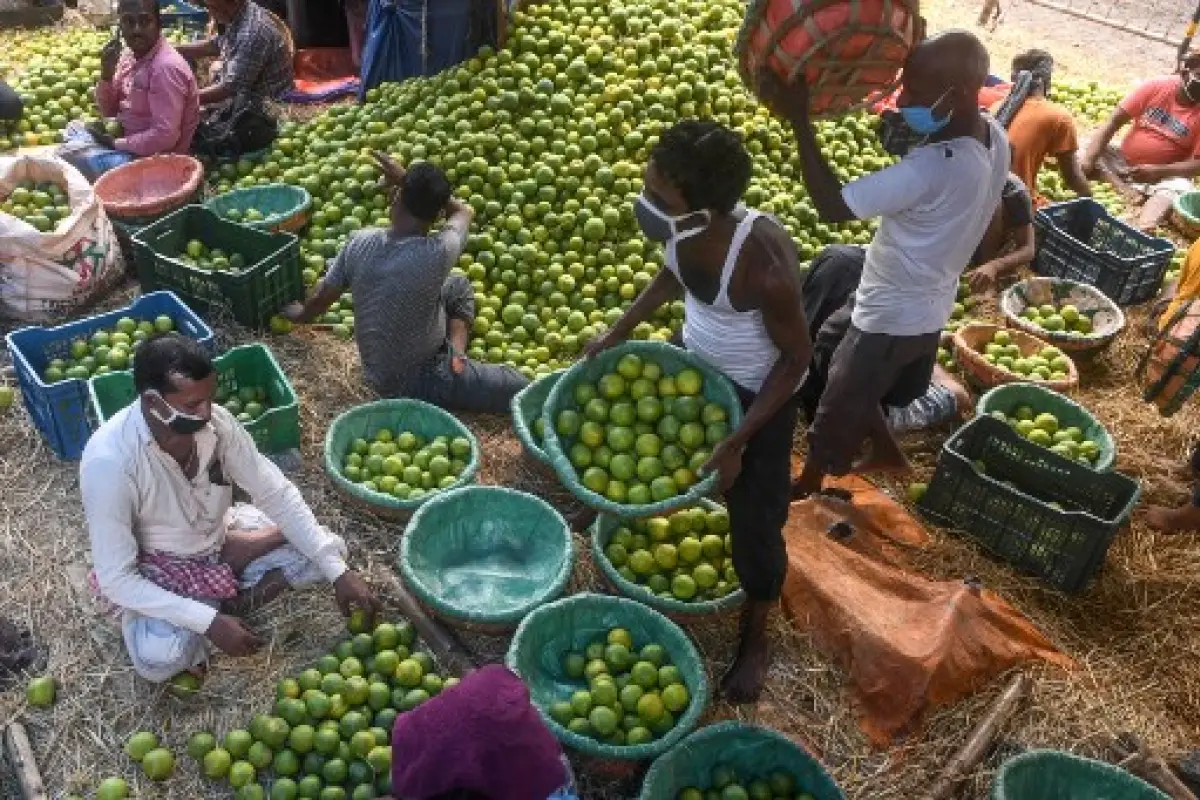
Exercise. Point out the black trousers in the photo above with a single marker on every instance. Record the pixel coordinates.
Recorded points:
(758, 502)
(11, 106)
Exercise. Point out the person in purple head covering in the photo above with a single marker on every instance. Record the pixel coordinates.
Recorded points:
(480, 740)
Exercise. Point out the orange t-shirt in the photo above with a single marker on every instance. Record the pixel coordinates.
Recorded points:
(1164, 130)
(1039, 129)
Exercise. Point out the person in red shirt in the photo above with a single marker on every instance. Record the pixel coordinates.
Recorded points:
(1160, 155)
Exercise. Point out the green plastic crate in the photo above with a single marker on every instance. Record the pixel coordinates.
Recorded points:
(1054, 775)
(1009, 396)
(999, 487)
(271, 279)
(277, 430)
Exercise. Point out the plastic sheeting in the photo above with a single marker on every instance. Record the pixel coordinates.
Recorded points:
(407, 38)
(908, 643)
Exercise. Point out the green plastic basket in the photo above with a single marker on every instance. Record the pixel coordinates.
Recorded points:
(1054, 775)
(601, 534)
(999, 487)
(752, 752)
(284, 207)
(362, 421)
(717, 389)
(270, 280)
(277, 430)
(546, 635)
(485, 556)
(1009, 396)
(527, 406)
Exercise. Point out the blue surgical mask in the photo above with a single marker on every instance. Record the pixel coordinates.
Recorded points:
(922, 120)
(660, 226)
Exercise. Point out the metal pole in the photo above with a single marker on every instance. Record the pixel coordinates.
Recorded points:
(1187, 39)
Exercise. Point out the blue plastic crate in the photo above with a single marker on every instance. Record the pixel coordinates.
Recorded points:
(61, 410)
(184, 15)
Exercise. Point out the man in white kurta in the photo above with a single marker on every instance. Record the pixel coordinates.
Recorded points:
(170, 548)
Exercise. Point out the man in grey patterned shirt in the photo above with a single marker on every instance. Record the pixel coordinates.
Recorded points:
(412, 318)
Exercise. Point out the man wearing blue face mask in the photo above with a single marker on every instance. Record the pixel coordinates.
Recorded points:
(174, 557)
(737, 271)
(934, 207)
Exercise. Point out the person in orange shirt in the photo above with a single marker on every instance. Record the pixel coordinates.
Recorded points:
(1160, 155)
(1039, 128)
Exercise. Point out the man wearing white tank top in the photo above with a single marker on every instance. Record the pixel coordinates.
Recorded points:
(738, 273)
(934, 207)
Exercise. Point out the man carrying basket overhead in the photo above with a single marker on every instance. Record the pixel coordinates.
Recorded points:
(935, 205)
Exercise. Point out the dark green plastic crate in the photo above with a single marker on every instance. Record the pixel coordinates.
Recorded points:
(270, 280)
(1006, 506)
(278, 428)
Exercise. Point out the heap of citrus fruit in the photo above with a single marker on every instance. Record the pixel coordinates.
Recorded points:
(1048, 364)
(1059, 319)
(684, 556)
(634, 694)
(1045, 429)
(43, 205)
(547, 140)
(106, 350)
(638, 434)
(158, 763)
(196, 254)
(405, 465)
(726, 784)
(247, 402)
(340, 317)
(963, 303)
(329, 733)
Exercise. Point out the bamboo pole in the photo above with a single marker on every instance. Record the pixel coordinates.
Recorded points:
(20, 756)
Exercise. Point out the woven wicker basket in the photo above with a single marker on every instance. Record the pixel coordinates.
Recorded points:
(1106, 316)
(970, 338)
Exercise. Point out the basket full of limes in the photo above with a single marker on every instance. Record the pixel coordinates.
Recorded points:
(679, 564)
(482, 557)
(1052, 420)
(1077, 318)
(273, 207)
(528, 421)
(991, 356)
(614, 680)
(629, 430)
(736, 760)
(391, 456)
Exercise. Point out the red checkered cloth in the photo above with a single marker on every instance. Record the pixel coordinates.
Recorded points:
(199, 577)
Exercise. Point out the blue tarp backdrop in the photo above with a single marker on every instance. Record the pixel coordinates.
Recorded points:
(406, 38)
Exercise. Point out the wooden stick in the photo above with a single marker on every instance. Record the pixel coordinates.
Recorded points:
(449, 653)
(982, 737)
(20, 756)
(1147, 765)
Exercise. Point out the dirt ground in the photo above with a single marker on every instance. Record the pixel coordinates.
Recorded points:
(1133, 632)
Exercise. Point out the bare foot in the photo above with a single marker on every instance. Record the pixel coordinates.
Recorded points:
(743, 682)
(1185, 519)
(266, 590)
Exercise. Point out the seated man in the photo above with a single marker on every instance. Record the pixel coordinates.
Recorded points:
(256, 66)
(148, 88)
(412, 318)
(1037, 127)
(1160, 155)
(172, 553)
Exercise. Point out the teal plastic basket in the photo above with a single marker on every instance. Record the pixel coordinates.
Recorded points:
(1008, 397)
(483, 557)
(717, 389)
(416, 416)
(284, 207)
(527, 406)
(752, 752)
(1054, 775)
(547, 634)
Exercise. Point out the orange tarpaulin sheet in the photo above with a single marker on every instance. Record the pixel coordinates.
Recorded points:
(908, 643)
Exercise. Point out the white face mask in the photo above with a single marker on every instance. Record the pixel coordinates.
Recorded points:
(662, 227)
(180, 422)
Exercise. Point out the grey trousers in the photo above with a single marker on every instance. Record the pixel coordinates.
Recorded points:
(479, 387)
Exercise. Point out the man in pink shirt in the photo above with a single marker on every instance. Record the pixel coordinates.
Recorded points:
(1160, 155)
(149, 88)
